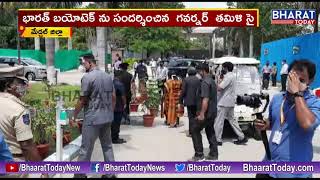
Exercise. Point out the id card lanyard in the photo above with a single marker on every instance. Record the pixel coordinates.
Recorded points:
(282, 114)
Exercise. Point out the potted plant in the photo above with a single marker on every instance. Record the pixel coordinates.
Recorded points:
(152, 103)
(134, 106)
(43, 127)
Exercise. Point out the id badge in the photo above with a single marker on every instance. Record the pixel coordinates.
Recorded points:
(277, 137)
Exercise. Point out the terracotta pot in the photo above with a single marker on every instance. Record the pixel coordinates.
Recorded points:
(148, 120)
(134, 107)
(154, 112)
(43, 150)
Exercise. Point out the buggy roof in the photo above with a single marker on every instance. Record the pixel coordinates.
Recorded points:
(235, 60)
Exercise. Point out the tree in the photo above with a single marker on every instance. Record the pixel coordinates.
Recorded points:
(266, 31)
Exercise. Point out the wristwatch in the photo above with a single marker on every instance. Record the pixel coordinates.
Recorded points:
(298, 94)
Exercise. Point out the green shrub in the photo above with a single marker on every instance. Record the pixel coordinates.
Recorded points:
(131, 61)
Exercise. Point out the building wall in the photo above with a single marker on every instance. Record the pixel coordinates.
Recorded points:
(309, 48)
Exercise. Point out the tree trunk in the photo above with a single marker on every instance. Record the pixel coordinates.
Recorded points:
(241, 48)
(101, 47)
(224, 42)
(56, 44)
(69, 43)
(251, 44)
(50, 42)
(37, 43)
(213, 45)
(229, 39)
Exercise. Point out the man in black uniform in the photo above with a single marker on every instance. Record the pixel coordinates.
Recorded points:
(141, 71)
(189, 96)
(205, 119)
(126, 78)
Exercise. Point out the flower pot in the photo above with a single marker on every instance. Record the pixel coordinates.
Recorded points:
(134, 107)
(154, 111)
(148, 120)
(43, 150)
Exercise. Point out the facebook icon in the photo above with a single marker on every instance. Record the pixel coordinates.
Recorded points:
(95, 167)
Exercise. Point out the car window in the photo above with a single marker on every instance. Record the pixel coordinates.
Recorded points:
(32, 62)
(2, 60)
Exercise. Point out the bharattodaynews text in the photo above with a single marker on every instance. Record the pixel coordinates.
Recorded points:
(160, 167)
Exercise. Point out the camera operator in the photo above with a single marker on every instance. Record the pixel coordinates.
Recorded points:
(226, 105)
(293, 118)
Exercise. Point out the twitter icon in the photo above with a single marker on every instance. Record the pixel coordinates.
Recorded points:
(180, 167)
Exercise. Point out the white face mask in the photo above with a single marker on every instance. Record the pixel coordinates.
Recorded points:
(303, 87)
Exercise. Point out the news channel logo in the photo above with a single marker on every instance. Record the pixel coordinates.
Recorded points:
(95, 167)
(180, 167)
(293, 16)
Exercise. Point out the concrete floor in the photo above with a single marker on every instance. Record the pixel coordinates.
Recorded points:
(160, 143)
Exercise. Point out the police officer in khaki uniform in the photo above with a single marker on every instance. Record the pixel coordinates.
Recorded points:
(15, 122)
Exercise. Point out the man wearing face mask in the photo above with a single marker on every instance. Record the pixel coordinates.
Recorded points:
(207, 111)
(226, 105)
(15, 122)
(98, 99)
(293, 117)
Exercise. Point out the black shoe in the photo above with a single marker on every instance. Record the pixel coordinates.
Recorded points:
(211, 158)
(219, 143)
(118, 141)
(109, 176)
(240, 142)
(197, 158)
(189, 135)
(80, 176)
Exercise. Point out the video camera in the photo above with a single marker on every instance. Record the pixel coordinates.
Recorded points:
(254, 101)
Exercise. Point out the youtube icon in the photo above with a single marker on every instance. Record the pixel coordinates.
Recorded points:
(12, 167)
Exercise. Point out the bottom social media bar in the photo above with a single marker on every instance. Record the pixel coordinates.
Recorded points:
(213, 167)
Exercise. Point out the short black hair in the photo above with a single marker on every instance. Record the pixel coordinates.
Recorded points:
(228, 66)
(192, 71)
(274, 63)
(203, 66)
(89, 57)
(302, 64)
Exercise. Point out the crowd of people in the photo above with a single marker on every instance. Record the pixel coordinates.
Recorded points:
(272, 72)
(209, 99)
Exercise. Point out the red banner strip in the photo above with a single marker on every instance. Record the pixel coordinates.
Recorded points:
(138, 17)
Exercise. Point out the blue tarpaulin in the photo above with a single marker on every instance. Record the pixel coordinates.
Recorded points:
(290, 49)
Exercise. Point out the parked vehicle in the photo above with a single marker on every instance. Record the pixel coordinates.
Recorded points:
(180, 65)
(32, 69)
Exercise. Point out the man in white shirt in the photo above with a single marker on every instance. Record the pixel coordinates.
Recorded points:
(284, 75)
(161, 75)
(153, 64)
(266, 71)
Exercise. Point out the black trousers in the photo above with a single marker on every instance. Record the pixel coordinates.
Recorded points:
(115, 126)
(265, 80)
(126, 112)
(197, 138)
(192, 114)
(274, 80)
(284, 82)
